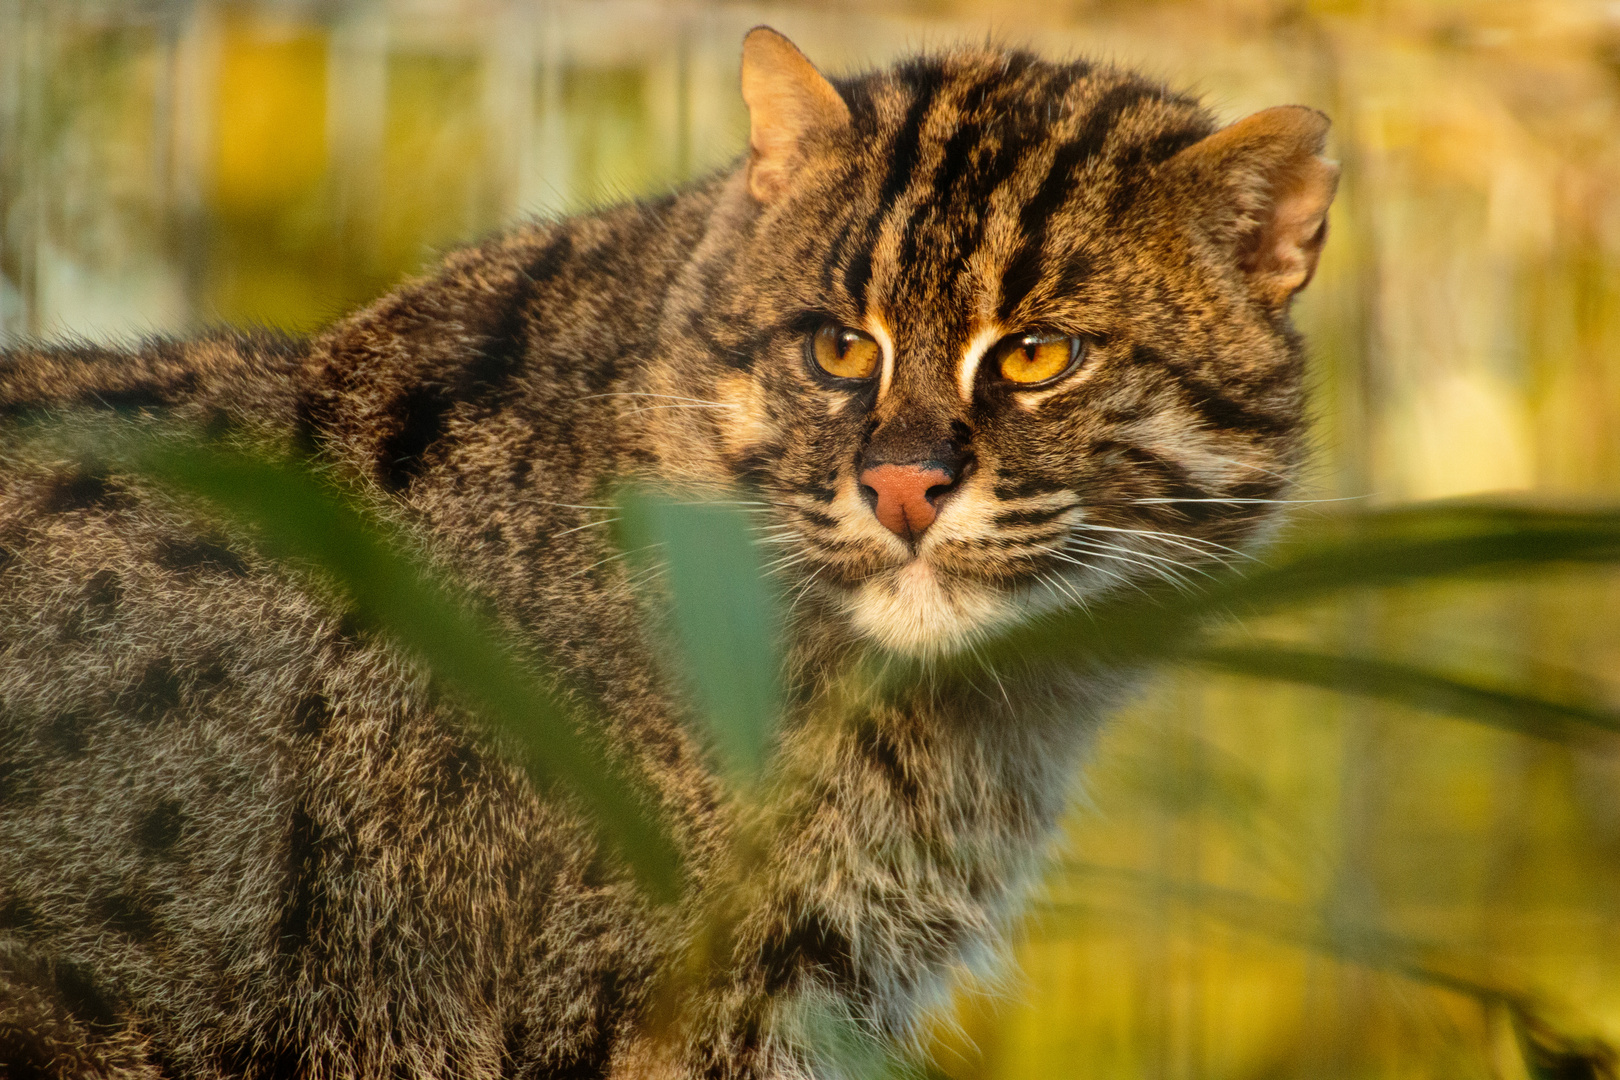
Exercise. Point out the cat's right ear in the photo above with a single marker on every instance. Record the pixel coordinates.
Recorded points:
(1273, 188)
(787, 100)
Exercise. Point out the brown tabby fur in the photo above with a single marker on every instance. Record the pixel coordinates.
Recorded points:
(240, 837)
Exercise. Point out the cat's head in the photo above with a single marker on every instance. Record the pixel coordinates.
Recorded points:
(993, 332)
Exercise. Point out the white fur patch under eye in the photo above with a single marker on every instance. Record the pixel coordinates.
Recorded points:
(880, 332)
(973, 356)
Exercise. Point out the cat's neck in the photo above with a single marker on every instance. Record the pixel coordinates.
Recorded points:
(905, 836)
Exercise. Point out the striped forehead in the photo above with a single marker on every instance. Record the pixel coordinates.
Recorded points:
(974, 156)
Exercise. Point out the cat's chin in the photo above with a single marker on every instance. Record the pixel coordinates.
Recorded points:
(917, 610)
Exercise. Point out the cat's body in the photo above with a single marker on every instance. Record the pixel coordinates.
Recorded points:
(239, 837)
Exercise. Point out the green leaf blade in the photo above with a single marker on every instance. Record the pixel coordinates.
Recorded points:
(724, 614)
(295, 518)
(1406, 684)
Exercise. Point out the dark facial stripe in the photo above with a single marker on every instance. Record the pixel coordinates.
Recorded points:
(1009, 489)
(1174, 482)
(858, 275)
(1015, 148)
(1225, 413)
(1026, 268)
(955, 157)
(1136, 163)
(1023, 273)
(818, 492)
(835, 253)
(952, 164)
(967, 177)
(1177, 482)
(817, 518)
(925, 83)
(1006, 519)
(1214, 403)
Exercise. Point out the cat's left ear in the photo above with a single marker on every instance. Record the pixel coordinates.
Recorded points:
(1277, 188)
(787, 99)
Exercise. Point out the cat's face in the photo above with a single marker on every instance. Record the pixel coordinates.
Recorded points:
(1004, 333)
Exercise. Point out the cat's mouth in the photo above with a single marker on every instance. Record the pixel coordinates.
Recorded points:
(919, 609)
(919, 592)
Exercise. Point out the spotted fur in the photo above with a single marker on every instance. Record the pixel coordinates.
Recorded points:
(242, 837)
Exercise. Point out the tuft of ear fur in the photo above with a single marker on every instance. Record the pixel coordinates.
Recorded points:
(787, 99)
(1278, 189)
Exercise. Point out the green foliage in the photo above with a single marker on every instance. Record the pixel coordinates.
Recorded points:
(724, 614)
(1406, 684)
(293, 516)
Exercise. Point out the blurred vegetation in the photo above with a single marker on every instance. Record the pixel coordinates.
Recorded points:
(1265, 877)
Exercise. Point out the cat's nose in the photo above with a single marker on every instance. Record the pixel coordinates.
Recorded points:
(905, 495)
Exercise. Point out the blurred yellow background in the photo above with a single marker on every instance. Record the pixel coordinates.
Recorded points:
(1259, 882)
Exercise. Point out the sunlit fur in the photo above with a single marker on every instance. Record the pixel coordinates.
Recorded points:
(241, 836)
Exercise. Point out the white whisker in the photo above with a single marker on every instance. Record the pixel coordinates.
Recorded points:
(646, 573)
(1103, 545)
(610, 558)
(786, 562)
(974, 649)
(587, 525)
(1057, 584)
(1157, 571)
(804, 590)
(1178, 539)
(720, 502)
(1251, 466)
(1290, 502)
(1123, 579)
(650, 408)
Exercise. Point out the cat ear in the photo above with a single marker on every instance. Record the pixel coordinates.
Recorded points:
(787, 100)
(1277, 190)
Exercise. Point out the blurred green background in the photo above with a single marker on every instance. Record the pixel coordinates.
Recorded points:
(1258, 881)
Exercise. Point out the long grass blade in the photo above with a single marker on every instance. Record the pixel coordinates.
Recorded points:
(1406, 684)
(725, 617)
(294, 517)
(1345, 553)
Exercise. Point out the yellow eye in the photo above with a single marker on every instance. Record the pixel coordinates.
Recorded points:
(1034, 358)
(846, 352)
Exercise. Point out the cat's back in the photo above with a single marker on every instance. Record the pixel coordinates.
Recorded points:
(227, 810)
(232, 824)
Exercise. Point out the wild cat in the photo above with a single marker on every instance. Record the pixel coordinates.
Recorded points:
(974, 328)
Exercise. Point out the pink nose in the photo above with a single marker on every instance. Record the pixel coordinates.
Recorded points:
(903, 505)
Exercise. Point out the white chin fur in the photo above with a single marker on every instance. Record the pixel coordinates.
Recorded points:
(912, 611)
